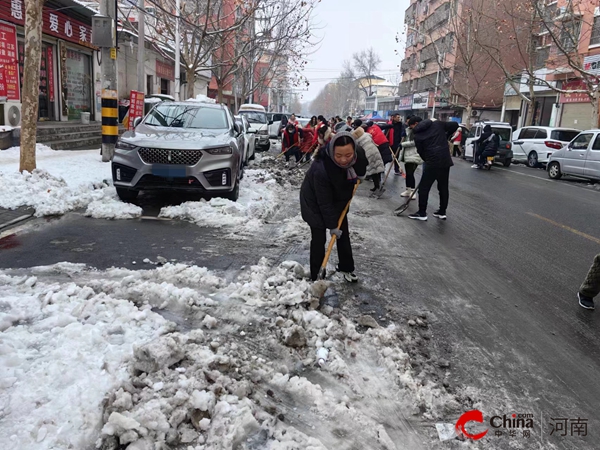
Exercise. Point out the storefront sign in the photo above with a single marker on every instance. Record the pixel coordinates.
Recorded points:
(166, 71)
(576, 97)
(421, 100)
(2, 82)
(591, 64)
(9, 62)
(440, 99)
(136, 107)
(405, 102)
(54, 23)
(50, 69)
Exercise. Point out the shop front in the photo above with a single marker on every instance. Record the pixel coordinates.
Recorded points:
(66, 70)
(576, 107)
(405, 105)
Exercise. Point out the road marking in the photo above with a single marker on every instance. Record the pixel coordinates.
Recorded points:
(558, 183)
(565, 227)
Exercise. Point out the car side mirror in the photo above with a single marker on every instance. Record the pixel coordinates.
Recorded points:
(136, 121)
(270, 122)
(570, 147)
(237, 129)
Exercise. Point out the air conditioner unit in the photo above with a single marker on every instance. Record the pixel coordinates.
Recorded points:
(12, 114)
(422, 65)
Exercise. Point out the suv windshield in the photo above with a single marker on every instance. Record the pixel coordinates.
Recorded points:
(255, 116)
(187, 116)
(563, 135)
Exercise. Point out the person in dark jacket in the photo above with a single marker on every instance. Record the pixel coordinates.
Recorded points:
(395, 132)
(590, 287)
(327, 188)
(431, 140)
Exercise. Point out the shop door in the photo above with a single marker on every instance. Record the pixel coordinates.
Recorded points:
(577, 115)
(79, 84)
(47, 84)
(164, 86)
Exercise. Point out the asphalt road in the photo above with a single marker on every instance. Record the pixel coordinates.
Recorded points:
(497, 281)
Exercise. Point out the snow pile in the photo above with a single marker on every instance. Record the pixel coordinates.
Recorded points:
(62, 347)
(202, 98)
(258, 199)
(64, 181)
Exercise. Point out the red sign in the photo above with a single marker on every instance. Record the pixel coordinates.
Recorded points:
(50, 69)
(9, 61)
(54, 23)
(166, 71)
(2, 82)
(136, 107)
(576, 97)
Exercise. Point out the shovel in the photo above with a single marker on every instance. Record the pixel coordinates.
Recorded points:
(323, 270)
(381, 189)
(283, 153)
(399, 210)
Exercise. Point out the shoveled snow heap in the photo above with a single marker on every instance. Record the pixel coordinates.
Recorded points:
(259, 194)
(64, 181)
(241, 370)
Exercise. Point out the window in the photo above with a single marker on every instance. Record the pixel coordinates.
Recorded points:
(502, 133)
(569, 35)
(541, 134)
(179, 116)
(596, 145)
(595, 38)
(528, 133)
(563, 135)
(582, 141)
(149, 84)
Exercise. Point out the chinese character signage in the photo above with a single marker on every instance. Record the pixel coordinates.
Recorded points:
(136, 107)
(9, 62)
(54, 23)
(166, 71)
(575, 97)
(50, 54)
(405, 102)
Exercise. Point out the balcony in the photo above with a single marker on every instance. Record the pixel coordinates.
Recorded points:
(439, 17)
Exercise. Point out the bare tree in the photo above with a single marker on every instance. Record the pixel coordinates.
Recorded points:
(31, 83)
(366, 63)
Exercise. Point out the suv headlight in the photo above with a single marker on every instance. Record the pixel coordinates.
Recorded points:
(219, 151)
(125, 146)
(263, 132)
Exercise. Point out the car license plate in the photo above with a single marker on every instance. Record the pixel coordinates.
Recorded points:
(168, 171)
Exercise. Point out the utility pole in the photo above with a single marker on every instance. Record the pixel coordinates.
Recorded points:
(110, 99)
(178, 54)
(141, 72)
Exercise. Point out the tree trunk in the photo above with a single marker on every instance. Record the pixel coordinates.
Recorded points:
(31, 82)
(469, 111)
(190, 75)
(219, 92)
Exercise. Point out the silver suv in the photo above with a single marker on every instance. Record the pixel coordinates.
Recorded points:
(181, 146)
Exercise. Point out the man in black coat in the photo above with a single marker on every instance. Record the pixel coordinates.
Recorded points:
(327, 188)
(431, 139)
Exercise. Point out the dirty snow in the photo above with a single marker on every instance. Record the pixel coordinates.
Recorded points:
(250, 363)
(258, 199)
(63, 181)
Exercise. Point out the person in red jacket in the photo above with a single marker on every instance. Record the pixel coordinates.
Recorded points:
(308, 136)
(291, 142)
(380, 141)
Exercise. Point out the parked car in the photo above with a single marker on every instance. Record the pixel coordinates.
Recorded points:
(249, 138)
(303, 122)
(181, 146)
(259, 124)
(579, 158)
(275, 126)
(535, 145)
(504, 132)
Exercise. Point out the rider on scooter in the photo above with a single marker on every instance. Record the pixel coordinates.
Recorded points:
(487, 145)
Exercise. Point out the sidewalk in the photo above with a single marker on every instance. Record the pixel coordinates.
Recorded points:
(10, 217)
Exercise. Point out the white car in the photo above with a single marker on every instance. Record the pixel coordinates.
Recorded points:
(580, 157)
(249, 138)
(257, 118)
(534, 145)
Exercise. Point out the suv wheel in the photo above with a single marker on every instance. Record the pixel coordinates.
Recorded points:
(235, 194)
(532, 160)
(554, 171)
(127, 195)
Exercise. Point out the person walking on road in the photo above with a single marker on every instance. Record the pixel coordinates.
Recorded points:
(411, 160)
(349, 121)
(431, 140)
(380, 141)
(395, 133)
(376, 167)
(590, 287)
(456, 142)
(325, 192)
